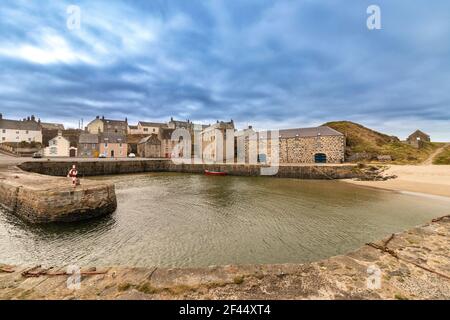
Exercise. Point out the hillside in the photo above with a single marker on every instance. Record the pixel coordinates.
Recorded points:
(366, 144)
(443, 157)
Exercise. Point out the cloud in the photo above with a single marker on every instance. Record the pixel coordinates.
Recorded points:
(271, 64)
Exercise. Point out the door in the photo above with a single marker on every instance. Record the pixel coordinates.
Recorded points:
(112, 153)
(320, 158)
(73, 153)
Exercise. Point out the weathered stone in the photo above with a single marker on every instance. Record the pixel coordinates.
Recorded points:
(42, 199)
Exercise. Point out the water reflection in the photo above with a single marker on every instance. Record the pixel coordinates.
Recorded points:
(169, 219)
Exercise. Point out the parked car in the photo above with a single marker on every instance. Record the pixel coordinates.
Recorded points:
(37, 155)
(131, 155)
(102, 155)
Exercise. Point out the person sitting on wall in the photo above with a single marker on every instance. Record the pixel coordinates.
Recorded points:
(73, 173)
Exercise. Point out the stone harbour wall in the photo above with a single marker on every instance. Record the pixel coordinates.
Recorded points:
(100, 167)
(40, 199)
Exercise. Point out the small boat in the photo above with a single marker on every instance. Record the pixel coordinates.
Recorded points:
(215, 173)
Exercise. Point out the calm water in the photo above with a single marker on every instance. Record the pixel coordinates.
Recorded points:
(193, 220)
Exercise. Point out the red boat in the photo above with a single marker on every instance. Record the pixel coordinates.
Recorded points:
(215, 173)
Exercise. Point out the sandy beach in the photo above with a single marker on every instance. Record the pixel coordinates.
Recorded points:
(427, 179)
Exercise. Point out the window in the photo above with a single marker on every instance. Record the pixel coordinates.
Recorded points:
(17, 132)
(27, 132)
(145, 129)
(106, 144)
(53, 150)
(4, 131)
(3, 139)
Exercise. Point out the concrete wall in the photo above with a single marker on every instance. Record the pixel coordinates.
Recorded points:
(96, 168)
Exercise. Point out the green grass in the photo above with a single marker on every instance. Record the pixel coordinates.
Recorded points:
(443, 157)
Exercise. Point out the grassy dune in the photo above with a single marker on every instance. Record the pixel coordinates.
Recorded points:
(443, 157)
(364, 140)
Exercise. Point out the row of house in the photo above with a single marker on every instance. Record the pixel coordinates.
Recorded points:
(114, 138)
(104, 137)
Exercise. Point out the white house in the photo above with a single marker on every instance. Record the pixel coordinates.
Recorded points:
(28, 130)
(58, 147)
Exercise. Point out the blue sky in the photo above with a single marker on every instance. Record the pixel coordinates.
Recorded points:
(273, 64)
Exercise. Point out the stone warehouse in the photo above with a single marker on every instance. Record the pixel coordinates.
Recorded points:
(311, 145)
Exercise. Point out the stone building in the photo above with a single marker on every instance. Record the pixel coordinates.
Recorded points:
(417, 139)
(26, 130)
(112, 145)
(88, 146)
(215, 147)
(311, 145)
(149, 147)
(167, 144)
(102, 125)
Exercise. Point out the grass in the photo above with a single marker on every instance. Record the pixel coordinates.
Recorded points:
(443, 157)
(364, 140)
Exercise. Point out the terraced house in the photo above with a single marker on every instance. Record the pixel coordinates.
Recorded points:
(28, 130)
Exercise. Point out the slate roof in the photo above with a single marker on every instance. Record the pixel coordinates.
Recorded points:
(151, 124)
(52, 126)
(19, 125)
(88, 138)
(113, 138)
(151, 138)
(309, 132)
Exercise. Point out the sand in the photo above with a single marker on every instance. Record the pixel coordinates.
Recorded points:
(427, 179)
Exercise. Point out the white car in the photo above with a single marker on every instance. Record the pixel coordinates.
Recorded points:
(102, 155)
(131, 155)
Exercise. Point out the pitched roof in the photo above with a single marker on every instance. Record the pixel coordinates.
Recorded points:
(151, 138)
(132, 127)
(19, 125)
(151, 124)
(88, 138)
(52, 126)
(309, 132)
(418, 132)
(113, 138)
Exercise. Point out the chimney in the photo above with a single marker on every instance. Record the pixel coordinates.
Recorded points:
(1, 116)
(103, 117)
(97, 117)
(28, 118)
(33, 118)
(126, 120)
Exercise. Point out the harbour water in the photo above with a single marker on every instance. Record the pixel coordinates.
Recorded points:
(184, 220)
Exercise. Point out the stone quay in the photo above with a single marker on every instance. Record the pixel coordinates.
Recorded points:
(42, 199)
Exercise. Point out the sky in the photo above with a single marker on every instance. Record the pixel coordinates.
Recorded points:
(270, 64)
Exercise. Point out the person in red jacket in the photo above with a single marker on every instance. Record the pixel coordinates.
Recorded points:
(73, 173)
